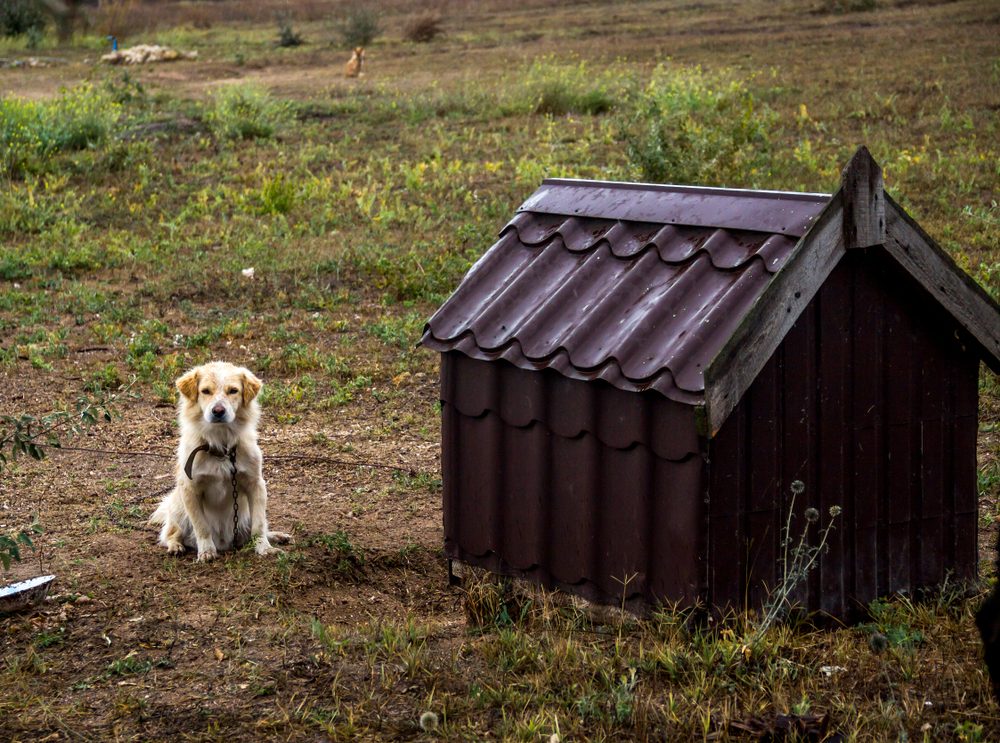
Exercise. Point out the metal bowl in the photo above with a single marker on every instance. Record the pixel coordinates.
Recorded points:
(24, 593)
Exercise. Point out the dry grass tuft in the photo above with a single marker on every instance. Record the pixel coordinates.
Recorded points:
(424, 28)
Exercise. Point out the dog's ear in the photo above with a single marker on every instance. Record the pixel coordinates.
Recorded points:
(187, 385)
(251, 386)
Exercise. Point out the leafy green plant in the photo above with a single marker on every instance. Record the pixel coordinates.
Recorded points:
(246, 111)
(687, 126)
(29, 436)
(11, 543)
(277, 196)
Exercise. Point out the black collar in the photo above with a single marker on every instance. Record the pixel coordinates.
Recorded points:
(229, 454)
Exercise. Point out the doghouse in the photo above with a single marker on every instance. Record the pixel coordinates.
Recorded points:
(634, 375)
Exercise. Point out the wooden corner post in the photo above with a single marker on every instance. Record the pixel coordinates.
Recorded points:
(864, 201)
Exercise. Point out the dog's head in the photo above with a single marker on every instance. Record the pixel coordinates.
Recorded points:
(359, 53)
(219, 392)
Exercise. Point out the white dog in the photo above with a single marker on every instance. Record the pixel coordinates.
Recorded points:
(218, 415)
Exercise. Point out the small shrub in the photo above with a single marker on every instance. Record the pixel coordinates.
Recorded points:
(689, 127)
(19, 17)
(423, 28)
(360, 27)
(245, 112)
(286, 34)
(559, 89)
(277, 196)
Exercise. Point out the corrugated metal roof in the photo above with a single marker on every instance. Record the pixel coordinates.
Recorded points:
(637, 285)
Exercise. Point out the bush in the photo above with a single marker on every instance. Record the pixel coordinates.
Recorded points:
(689, 127)
(245, 112)
(360, 28)
(423, 28)
(550, 87)
(18, 17)
(286, 34)
(32, 131)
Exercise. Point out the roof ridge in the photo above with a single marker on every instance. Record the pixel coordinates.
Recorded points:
(814, 196)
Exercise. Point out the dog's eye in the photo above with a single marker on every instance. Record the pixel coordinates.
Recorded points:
(232, 390)
(206, 391)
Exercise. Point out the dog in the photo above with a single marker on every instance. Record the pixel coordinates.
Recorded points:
(353, 66)
(218, 412)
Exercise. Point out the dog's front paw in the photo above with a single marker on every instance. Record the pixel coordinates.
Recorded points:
(175, 548)
(264, 547)
(207, 555)
(279, 537)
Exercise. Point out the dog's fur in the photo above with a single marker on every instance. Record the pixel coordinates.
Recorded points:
(988, 622)
(217, 406)
(353, 66)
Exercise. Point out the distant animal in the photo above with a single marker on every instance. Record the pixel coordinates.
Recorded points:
(353, 66)
(218, 412)
(988, 622)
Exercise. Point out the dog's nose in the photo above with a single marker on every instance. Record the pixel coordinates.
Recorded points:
(218, 411)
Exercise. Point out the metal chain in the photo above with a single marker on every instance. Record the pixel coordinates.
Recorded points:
(236, 507)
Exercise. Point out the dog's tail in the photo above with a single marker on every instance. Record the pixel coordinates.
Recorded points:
(159, 516)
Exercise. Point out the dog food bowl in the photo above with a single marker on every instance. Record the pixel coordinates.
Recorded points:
(24, 593)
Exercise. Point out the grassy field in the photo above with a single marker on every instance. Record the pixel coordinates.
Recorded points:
(133, 203)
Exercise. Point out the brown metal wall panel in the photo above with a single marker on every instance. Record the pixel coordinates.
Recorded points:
(728, 483)
(676, 564)
(526, 525)
(574, 493)
(618, 418)
(595, 515)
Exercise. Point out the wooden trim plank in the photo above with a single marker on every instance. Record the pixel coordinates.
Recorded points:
(864, 202)
(734, 368)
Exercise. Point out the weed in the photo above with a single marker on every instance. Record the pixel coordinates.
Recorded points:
(798, 559)
(130, 664)
(687, 126)
(32, 131)
(49, 638)
(246, 111)
(493, 602)
(277, 195)
(349, 558)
